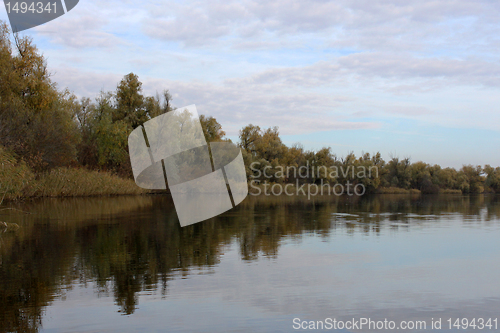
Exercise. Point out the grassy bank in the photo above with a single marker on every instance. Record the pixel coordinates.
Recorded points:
(315, 190)
(18, 181)
(450, 191)
(396, 190)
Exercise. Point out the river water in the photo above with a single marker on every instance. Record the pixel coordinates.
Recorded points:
(272, 264)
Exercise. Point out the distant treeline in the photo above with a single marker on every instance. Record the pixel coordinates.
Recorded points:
(44, 130)
(269, 160)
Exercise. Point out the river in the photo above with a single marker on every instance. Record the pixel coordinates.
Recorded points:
(272, 264)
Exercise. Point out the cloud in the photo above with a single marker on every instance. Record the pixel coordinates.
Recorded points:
(192, 26)
(85, 83)
(390, 66)
(359, 24)
(92, 24)
(411, 46)
(72, 32)
(306, 66)
(234, 105)
(409, 110)
(396, 71)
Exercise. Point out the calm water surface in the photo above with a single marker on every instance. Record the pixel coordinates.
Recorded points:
(125, 265)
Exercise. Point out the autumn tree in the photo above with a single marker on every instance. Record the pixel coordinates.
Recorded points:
(249, 136)
(398, 173)
(492, 178)
(130, 106)
(36, 119)
(212, 129)
(472, 179)
(106, 123)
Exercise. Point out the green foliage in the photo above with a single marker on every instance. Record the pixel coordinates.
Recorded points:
(44, 130)
(249, 137)
(424, 177)
(492, 178)
(264, 151)
(106, 123)
(398, 173)
(269, 145)
(212, 129)
(471, 179)
(373, 166)
(37, 119)
(130, 106)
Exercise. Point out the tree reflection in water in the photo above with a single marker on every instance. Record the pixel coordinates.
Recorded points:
(127, 245)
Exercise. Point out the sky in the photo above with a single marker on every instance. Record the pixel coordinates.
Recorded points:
(418, 79)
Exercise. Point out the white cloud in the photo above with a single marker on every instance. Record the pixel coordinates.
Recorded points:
(93, 24)
(234, 105)
(305, 66)
(466, 71)
(85, 83)
(362, 24)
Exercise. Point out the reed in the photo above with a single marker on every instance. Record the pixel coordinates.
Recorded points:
(18, 181)
(450, 191)
(67, 182)
(396, 190)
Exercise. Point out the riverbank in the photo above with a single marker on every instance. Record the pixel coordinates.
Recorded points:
(277, 189)
(397, 190)
(17, 181)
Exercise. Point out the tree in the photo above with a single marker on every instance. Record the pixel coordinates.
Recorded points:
(104, 140)
(473, 179)
(36, 119)
(368, 171)
(398, 173)
(249, 136)
(421, 177)
(106, 123)
(492, 178)
(269, 146)
(212, 129)
(130, 102)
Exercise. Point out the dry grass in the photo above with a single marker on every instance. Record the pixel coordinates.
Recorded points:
(15, 176)
(18, 181)
(396, 190)
(64, 182)
(449, 191)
